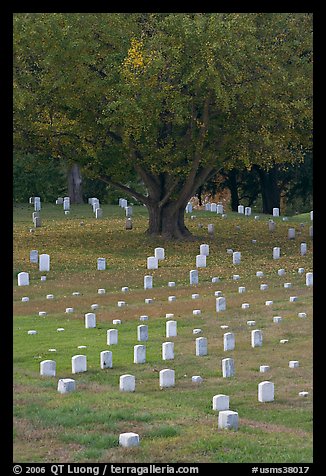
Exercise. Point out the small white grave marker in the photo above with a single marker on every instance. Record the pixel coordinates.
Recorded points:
(127, 383)
(23, 279)
(266, 392)
(78, 364)
(221, 402)
(227, 367)
(201, 346)
(167, 378)
(128, 440)
(66, 385)
(48, 368)
(106, 359)
(228, 420)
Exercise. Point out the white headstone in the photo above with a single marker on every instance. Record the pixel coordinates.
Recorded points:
(276, 252)
(112, 336)
(33, 256)
(94, 307)
(106, 359)
(129, 439)
(227, 367)
(220, 304)
(247, 211)
(69, 310)
(240, 209)
(281, 272)
(221, 402)
(271, 225)
(25, 299)
(189, 207)
(236, 257)
(228, 341)
(98, 213)
(139, 354)
(276, 212)
(23, 279)
(66, 385)
(193, 276)
(90, 320)
(259, 274)
(266, 392)
(241, 289)
(201, 261)
(127, 383)
(264, 368)
(168, 350)
(37, 204)
(196, 312)
(44, 262)
(148, 282)
(291, 233)
(201, 346)
(303, 249)
(263, 287)
(210, 228)
(309, 279)
(245, 305)
(66, 204)
(228, 420)
(142, 332)
(78, 364)
(171, 328)
(197, 379)
(48, 368)
(129, 211)
(101, 264)
(215, 279)
(172, 298)
(159, 253)
(167, 378)
(219, 209)
(152, 262)
(256, 338)
(302, 315)
(277, 319)
(251, 323)
(204, 249)
(311, 215)
(213, 207)
(293, 364)
(171, 284)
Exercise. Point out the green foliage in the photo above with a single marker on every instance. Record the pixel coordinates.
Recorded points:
(163, 96)
(40, 176)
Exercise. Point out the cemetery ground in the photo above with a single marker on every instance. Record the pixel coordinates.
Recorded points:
(176, 424)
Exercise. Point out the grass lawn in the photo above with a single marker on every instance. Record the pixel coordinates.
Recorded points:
(174, 424)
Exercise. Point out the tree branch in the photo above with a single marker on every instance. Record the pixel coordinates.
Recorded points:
(142, 198)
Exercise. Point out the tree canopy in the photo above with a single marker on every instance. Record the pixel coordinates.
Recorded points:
(170, 98)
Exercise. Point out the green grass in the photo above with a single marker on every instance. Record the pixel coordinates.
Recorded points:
(176, 424)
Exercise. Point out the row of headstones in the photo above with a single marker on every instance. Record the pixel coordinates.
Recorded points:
(95, 204)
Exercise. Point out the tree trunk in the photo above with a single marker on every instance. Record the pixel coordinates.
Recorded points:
(167, 221)
(270, 191)
(75, 184)
(233, 187)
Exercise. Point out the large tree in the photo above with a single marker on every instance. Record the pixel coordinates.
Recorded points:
(167, 97)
